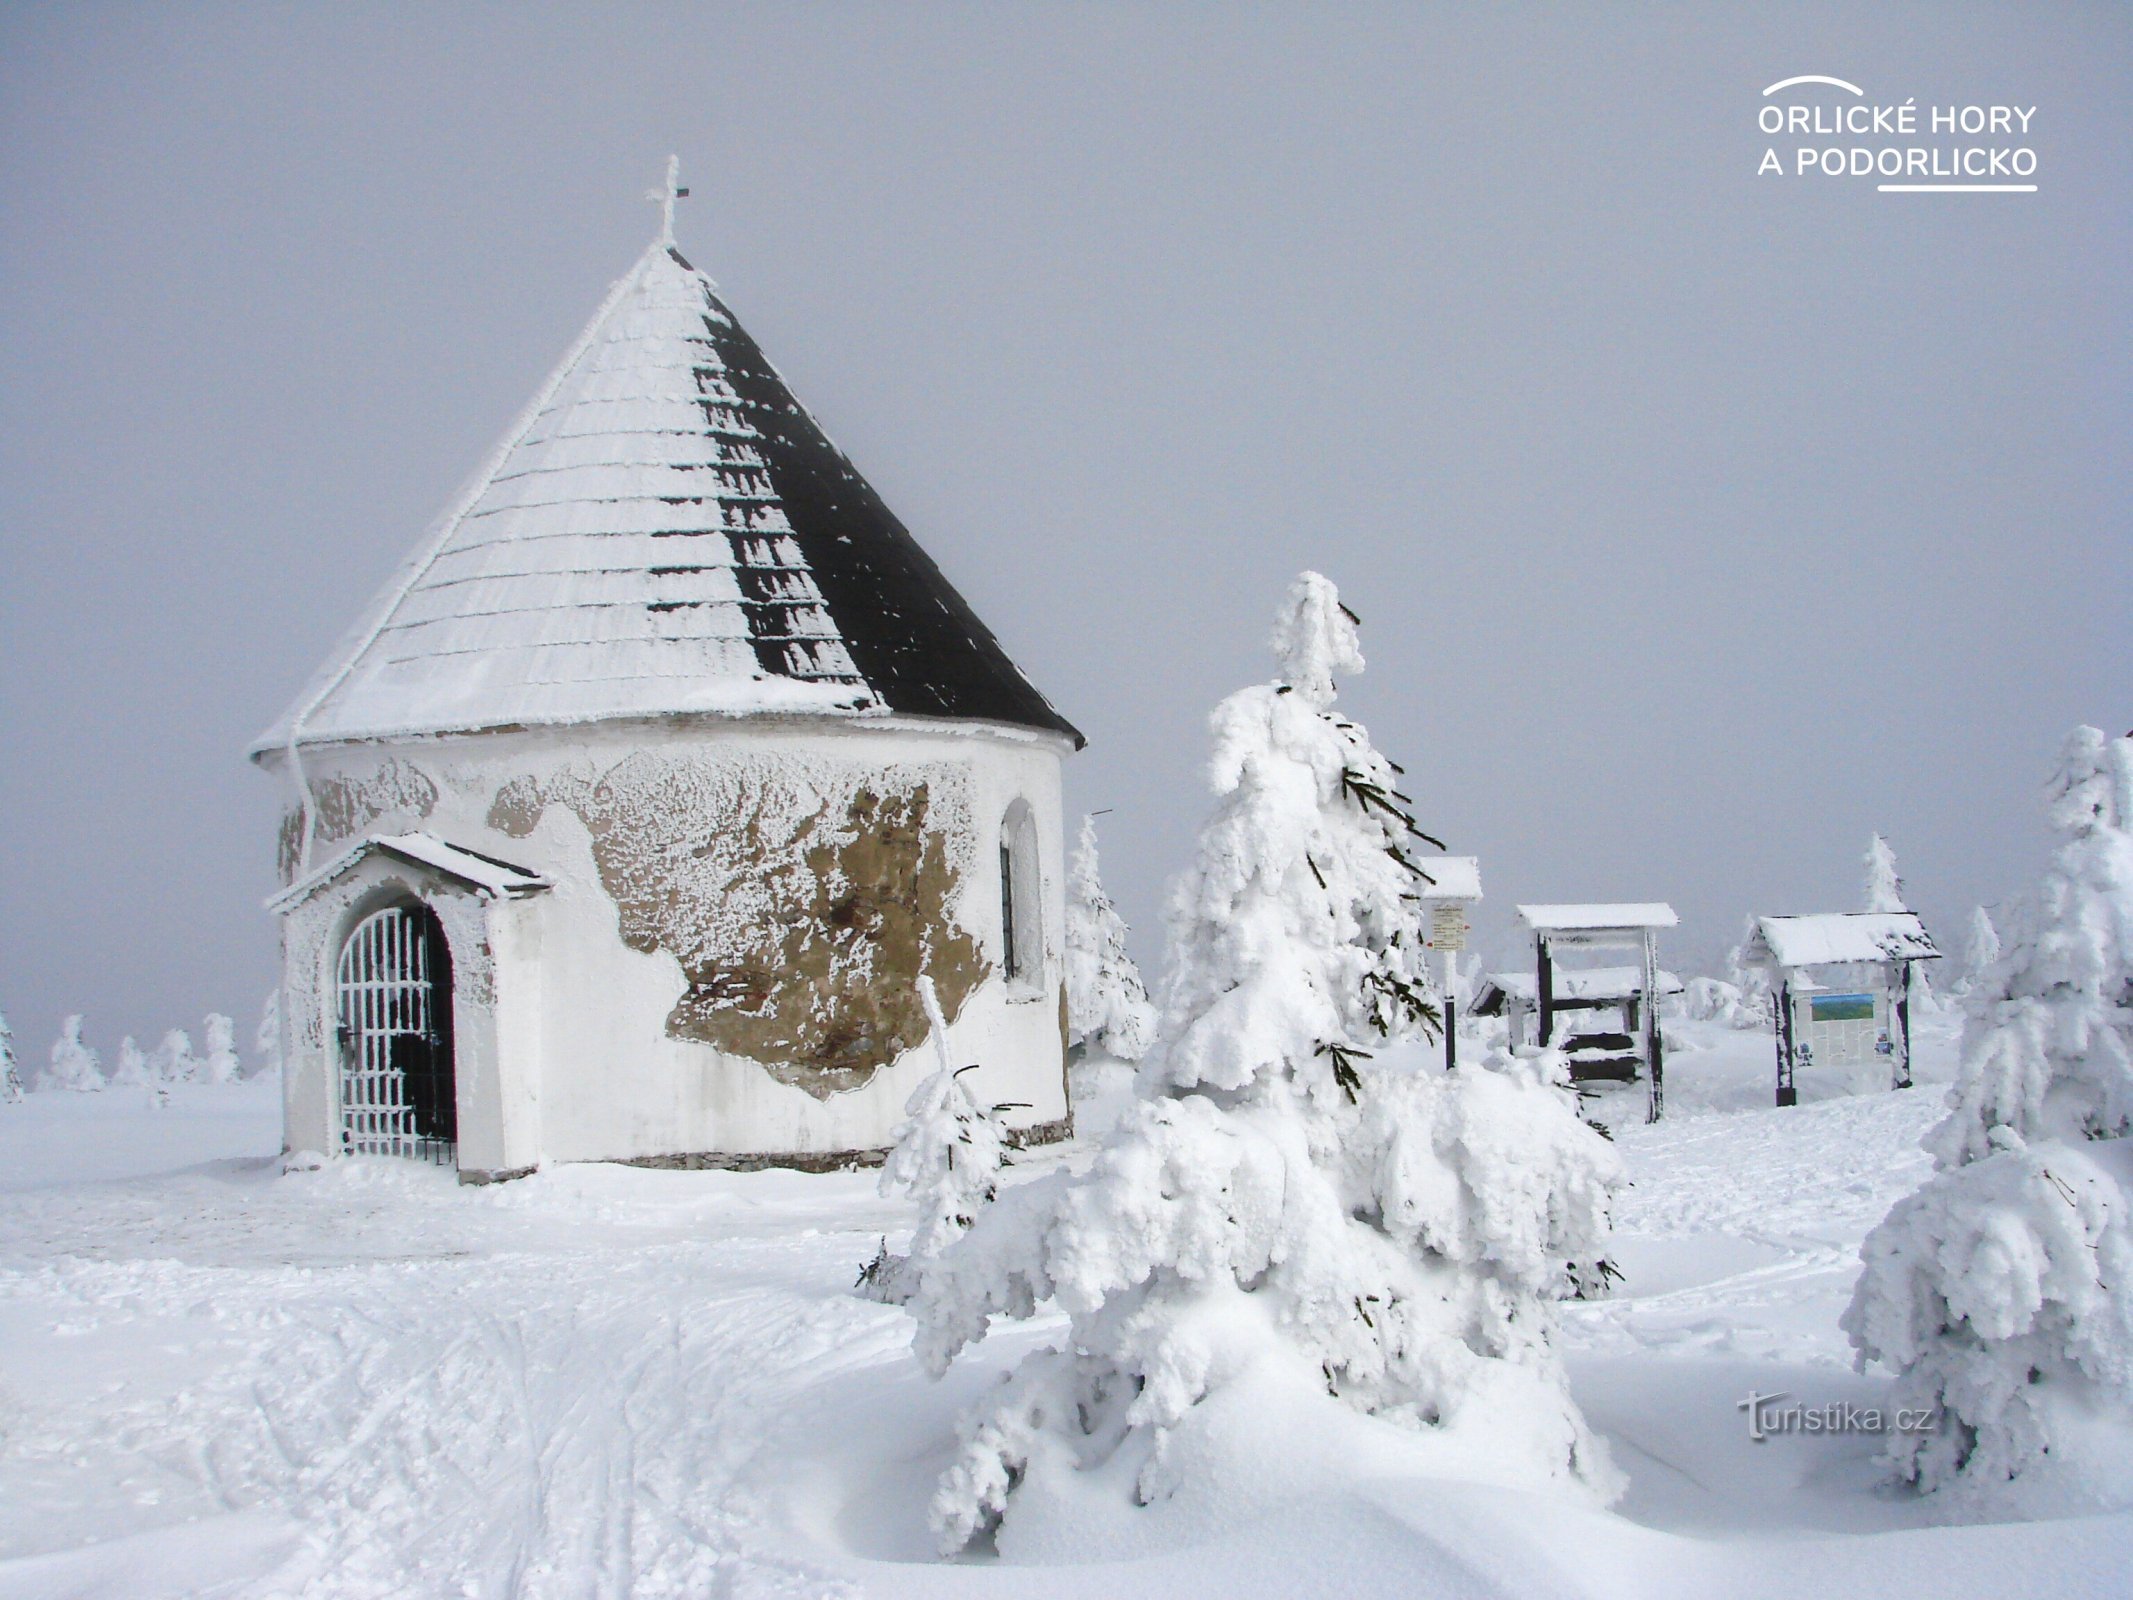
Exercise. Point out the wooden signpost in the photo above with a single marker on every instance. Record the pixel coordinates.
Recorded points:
(1456, 886)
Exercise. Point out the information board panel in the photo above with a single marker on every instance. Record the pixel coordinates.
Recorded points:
(1839, 1030)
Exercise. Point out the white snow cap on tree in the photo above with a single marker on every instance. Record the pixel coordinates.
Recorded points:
(947, 1154)
(10, 1075)
(1107, 1004)
(1982, 947)
(1286, 1213)
(73, 1065)
(266, 1038)
(132, 1070)
(2002, 1292)
(1315, 636)
(1882, 889)
(174, 1061)
(220, 1064)
(1755, 1003)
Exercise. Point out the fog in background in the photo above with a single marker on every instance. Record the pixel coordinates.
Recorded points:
(1700, 523)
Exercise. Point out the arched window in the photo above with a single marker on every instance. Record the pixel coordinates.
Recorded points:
(1021, 899)
(393, 998)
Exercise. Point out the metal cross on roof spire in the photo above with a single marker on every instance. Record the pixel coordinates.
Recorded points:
(666, 198)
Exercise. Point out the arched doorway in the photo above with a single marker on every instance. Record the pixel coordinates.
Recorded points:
(393, 991)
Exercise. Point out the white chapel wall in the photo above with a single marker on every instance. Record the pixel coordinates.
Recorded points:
(586, 1062)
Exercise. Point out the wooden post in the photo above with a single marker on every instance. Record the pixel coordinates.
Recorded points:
(1900, 1067)
(1544, 988)
(1451, 1009)
(1787, 1094)
(1654, 1048)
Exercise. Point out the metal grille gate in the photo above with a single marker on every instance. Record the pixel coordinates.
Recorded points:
(394, 989)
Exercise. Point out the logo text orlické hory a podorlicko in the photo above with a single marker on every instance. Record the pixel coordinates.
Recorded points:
(1906, 148)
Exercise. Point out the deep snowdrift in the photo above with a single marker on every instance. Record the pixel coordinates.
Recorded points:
(366, 1381)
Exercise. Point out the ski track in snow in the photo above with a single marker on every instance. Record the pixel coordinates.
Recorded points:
(367, 1382)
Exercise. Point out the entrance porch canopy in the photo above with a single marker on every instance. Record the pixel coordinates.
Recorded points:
(485, 875)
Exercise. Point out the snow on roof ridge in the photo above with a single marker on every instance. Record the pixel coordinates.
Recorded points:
(1831, 938)
(1571, 916)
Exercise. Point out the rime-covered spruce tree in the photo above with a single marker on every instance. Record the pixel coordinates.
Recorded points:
(2002, 1291)
(1981, 949)
(219, 1038)
(173, 1060)
(1108, 1008)
(73, 1065)
(1882, 887)
(132, 1070)
(1281, 1210)
(947, 1155)
(1757, 1005)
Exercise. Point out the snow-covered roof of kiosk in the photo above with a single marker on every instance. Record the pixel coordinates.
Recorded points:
(1598, 918)
(483, 874)
(1837, 936)
(665, 529)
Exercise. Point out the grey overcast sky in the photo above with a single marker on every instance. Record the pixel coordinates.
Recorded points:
(1701, 522)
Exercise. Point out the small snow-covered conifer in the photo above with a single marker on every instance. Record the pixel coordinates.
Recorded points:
(2002, 1291)
(132, 1070)
(1283, 1209)
(1982, 947)
(174, 1061)
(73, 1065)
(10, 1076)
(1882, 889)
(1755, 1003)
(266, 1038)
(220, 1064)
(947, 1156)
(1107, 1004)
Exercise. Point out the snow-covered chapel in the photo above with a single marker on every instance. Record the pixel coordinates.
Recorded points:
(625, 820)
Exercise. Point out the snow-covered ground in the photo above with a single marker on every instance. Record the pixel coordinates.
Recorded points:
(220, 1379)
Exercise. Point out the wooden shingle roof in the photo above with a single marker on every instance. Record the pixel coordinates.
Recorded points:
(665, 529)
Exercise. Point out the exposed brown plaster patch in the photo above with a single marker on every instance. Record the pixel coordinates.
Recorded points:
(802, 903)
(517, 807)
(344, 806)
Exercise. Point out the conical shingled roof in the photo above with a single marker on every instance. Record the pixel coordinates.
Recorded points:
(665, 529)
